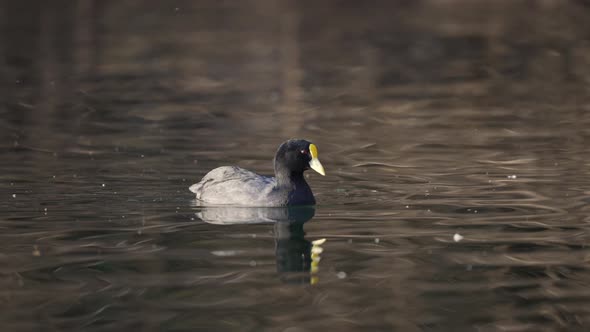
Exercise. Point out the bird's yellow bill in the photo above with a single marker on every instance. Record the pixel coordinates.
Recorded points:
(313, 150)
(314, 163)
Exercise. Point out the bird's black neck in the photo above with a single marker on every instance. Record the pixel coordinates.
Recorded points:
(294, 185)
(289, 179)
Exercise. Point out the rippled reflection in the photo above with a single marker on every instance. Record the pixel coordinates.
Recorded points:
(255, 215)
(293, 252)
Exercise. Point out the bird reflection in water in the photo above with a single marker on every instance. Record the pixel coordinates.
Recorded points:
(297, 259)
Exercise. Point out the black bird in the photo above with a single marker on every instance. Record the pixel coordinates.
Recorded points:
(232, 185)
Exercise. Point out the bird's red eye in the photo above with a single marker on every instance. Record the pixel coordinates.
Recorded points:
(303, 151)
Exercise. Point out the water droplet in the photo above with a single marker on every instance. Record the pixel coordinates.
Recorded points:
(104, 185)
(377, 240)
(457, 237)
(341, 275)
(253, 263)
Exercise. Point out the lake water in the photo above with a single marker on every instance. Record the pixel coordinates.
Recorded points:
(454, 136)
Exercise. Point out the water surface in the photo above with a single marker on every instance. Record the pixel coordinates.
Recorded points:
(454, 137)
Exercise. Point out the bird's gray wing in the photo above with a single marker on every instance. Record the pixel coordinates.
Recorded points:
(231, 185)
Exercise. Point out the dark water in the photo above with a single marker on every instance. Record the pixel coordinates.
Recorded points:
(454, 136)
